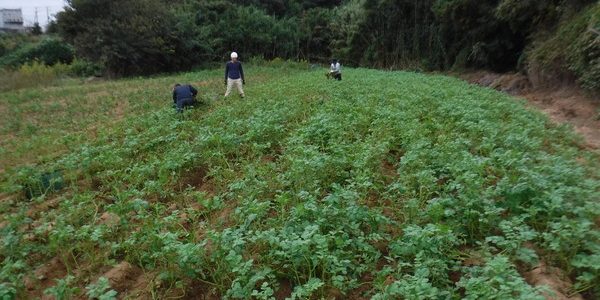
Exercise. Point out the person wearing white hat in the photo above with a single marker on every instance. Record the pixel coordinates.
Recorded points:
(234, 75)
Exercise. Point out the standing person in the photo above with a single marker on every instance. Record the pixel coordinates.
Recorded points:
(234, 75)
(335, 70)
(184, 95)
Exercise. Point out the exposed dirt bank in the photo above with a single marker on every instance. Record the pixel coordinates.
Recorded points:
(563, 103)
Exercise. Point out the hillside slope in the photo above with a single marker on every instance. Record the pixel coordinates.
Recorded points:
(384, 185)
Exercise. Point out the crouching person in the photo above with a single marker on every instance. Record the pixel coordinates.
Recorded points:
(184, 95)
(335, 70)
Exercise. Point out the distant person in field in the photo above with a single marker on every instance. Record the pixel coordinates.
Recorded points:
(234, 75)
(335, 70)
(184, 95)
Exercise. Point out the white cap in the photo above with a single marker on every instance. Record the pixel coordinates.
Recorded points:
(233, 54)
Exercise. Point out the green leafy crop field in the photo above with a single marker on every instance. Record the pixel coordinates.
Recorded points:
(385, 185)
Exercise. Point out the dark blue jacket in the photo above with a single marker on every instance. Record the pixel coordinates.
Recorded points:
(184, 92)
(234, 70)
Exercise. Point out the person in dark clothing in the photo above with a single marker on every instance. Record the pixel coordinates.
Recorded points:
(234, 75)
(184, 95)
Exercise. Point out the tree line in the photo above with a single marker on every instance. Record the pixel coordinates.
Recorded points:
(148, 36)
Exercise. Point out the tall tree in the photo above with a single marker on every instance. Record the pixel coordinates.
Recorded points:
(36, 30)
(127, 36)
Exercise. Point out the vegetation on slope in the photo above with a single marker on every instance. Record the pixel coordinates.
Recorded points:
(387, 184)
(572, 51)
(555, 38)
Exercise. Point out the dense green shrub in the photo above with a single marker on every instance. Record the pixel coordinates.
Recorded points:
(84, 68)
(128, 37)
(9, 42)
(48, 51)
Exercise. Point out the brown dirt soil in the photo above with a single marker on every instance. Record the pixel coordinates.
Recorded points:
(47, 205)
(120, 109)
(224, 216)
(285, 290)
(195, 178)
(5, 197)
(129, 281)
(563, 104)
(122, 275)
(198, 290)
(44, 277)
(554, 279)
(388, 170)
(569, 106)
(109, 219)
(360, 292)
(269, 158)
(140, 289)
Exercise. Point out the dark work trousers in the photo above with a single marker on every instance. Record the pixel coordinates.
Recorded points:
(181, 103)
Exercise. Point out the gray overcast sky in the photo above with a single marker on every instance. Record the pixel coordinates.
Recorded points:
(29, 6)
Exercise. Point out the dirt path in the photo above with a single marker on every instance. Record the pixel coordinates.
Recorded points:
(565, 104)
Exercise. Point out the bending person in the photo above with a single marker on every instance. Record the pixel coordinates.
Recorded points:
(335, 70)
(184, 95)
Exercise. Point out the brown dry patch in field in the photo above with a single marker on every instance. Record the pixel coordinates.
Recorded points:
(97, 95)
(372, 199)
(5, 197)
(92, 131)
(223, 216)
(199, 290)
(564, 103)
(285, 289)
(140, 288)
(122, 91)
(210, 187)
(204, 83)
(554, 279)
(454, 276)
(512, 84)
(44, 206)
(126, 278)
(109, 219)
(186, 222)
(120, 109)
(64, 102)
(388, 169)
(195, 178)
(215, 220)
(360, 293)
(568, 105)
(3, 108)
(388, 166)
(44, 277)
(268, 159)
